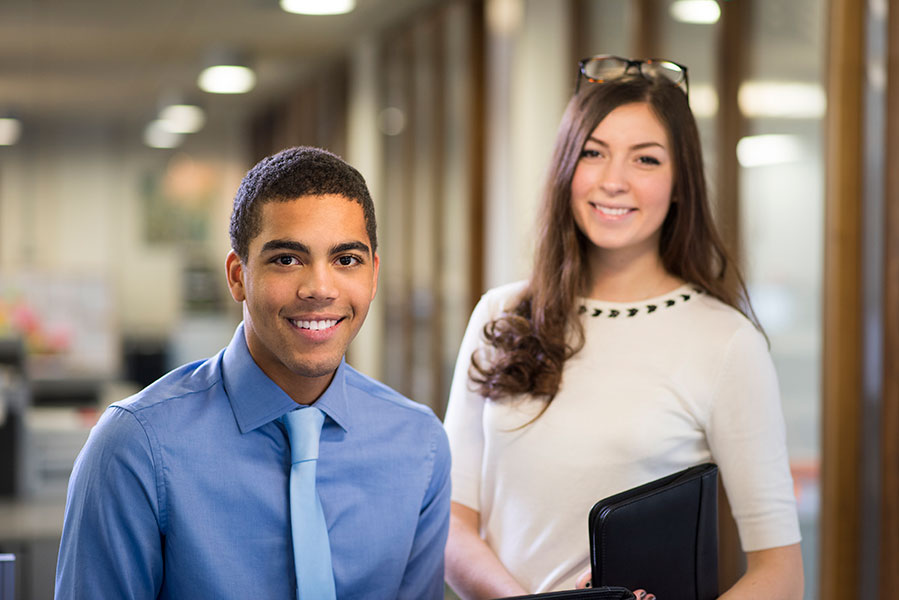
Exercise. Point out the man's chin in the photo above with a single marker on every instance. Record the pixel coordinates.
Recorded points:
(316, 370)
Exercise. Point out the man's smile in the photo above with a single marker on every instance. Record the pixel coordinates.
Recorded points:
(314, 324)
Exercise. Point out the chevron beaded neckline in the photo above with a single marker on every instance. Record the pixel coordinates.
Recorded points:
(626, 310)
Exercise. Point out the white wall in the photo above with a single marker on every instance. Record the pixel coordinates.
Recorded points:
(363, 152)
(529, 79)
(71, 207)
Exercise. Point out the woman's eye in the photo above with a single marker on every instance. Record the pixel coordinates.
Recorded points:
(347, 261)
(649, 160)
(587, 153)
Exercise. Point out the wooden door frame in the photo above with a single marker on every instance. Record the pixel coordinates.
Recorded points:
(889, 496)
(841, 368)
(732, 50)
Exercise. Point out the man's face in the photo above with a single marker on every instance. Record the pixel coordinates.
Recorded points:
(307, 284)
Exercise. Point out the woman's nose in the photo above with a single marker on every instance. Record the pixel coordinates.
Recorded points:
(613, 179)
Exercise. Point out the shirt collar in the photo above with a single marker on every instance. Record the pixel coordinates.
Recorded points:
(257, 400)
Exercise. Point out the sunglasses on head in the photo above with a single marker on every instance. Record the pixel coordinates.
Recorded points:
(605, 67)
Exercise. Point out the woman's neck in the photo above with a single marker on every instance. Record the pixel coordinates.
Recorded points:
(615, 278)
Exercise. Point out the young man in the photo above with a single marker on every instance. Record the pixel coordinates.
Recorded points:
(182, 491)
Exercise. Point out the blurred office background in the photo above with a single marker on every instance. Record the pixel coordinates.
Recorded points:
(117, 173)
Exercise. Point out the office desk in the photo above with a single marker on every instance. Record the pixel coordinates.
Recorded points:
(31, 529)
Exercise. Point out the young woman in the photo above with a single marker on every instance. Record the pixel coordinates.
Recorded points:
(630, 353)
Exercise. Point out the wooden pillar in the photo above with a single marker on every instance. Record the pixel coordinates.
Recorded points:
(839, 568)
(732, 68)
(436, 26)
(889, 526)
(731, 126)
(645, 36)
(477, 155)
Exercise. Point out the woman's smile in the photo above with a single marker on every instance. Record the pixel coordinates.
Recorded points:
(612, 212)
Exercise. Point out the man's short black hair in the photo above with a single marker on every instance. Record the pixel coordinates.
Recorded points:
(288, 175)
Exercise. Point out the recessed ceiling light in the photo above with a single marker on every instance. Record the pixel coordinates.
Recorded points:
(10, 130)
(227, 79)
(504, 17)
(391, 121)
(157, 136)
(318, 7)
(703, 12)
(182, 118)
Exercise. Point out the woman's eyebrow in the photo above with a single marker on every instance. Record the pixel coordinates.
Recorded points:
(639, 146)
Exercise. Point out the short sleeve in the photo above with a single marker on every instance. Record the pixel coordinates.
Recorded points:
(465, 409)
(747, 438)
(464, 415)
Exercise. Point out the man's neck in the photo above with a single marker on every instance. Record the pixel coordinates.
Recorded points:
(308, 389)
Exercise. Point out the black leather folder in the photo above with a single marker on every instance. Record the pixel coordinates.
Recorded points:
(600, 593)
(661, 536)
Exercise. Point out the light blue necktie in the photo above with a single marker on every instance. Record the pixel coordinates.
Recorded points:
(311, 548)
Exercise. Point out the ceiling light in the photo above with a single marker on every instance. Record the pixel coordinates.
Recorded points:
(782, 99)
(391, 121)
(318, 7)
(227, 79)
(182, 118)
(504, 17)
(157, 136)
(772, 149)
(703, 12)
(10, 130)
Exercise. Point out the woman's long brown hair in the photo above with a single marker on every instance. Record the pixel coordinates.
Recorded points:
(534, 338)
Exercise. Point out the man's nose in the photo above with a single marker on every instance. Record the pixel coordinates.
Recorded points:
(318, 283)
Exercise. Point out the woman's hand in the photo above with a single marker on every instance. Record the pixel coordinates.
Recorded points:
(773, 573)
(585, 581)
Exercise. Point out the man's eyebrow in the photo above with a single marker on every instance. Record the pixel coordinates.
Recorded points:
(291, 245)
(347, 246)
(294, 246)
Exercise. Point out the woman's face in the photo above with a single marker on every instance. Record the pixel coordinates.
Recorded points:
(622, 184)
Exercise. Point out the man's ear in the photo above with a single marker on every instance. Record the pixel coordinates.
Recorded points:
(234, 270)
(376, 263)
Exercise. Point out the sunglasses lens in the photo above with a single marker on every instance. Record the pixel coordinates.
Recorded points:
(662, 68)
(605, 68)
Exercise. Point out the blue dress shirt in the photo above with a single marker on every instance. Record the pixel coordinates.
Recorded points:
(181, 491)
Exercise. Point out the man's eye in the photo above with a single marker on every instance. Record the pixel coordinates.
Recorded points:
(347, 261)
(286, 260)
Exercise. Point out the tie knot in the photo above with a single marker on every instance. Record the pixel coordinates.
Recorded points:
(304, 427)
